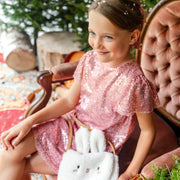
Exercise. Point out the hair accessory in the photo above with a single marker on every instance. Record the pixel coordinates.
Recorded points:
(126, 12)
(100, 2)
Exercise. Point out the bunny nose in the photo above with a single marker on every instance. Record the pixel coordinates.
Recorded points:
(87, 170)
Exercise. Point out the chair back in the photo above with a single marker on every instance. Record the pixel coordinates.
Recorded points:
(159, 56)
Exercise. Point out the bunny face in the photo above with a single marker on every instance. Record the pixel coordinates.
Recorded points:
(97, 166)
(82, 165)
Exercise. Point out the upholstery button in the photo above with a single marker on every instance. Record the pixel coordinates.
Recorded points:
(168, 98)
(156, 72)
(168, 65)
(154, 39)
(153, 57)
(157, 89)
(169, 82)
(168, 46)
(166, 27)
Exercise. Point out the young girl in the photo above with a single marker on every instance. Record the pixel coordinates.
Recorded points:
(110, 93)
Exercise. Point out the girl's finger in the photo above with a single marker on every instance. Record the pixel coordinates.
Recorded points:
(9, 138)
(5, 147)
(3, 135)
(18, 139)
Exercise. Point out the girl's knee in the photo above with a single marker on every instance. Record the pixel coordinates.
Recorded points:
(11, 156)
(22, 150)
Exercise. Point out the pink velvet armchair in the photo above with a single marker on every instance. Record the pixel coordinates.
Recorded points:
(160, 61)
(159, 58)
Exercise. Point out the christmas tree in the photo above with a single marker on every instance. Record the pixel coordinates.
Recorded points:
(149, 4)
(39, 15)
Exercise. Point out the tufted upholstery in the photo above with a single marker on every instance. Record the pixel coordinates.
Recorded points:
(160, 55)
(159, 58)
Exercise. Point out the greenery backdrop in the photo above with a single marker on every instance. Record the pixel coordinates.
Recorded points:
(45, 15)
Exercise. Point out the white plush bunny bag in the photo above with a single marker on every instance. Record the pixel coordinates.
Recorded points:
(90, 161)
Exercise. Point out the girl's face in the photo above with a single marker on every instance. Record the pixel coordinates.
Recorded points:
(111, 43)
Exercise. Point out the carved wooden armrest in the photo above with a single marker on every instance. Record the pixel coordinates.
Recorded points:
(64, 71)
(45, 78)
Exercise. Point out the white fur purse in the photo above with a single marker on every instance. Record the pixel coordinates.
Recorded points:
(90, 161)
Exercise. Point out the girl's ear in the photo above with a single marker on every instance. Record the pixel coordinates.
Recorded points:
(134, 37)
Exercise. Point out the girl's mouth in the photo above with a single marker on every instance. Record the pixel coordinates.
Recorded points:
(101, 52)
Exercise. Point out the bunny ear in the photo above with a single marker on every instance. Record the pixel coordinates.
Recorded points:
(82, 140)
(97, 141)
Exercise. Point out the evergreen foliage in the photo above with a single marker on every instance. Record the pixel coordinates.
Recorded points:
(167, 174)
(65, 15)
(149, 4)
(40, 15)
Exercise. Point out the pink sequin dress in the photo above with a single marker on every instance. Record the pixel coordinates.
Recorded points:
(109, 99)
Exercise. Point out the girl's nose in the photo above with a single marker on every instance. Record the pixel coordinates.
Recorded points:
(97, 43)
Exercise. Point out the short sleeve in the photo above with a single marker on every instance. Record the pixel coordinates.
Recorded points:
(78, 74)
(141, 97)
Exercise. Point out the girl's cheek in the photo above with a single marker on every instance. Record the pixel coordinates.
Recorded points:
(90, 42)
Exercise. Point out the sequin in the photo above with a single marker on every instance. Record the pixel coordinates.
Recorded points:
(109, 99)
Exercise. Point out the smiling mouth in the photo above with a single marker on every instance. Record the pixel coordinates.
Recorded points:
(101, 52)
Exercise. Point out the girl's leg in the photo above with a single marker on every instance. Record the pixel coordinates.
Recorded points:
(35, 164)
(13, 161)
(26, 177)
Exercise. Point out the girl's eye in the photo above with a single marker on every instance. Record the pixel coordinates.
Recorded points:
(91, 33)
(108, 37)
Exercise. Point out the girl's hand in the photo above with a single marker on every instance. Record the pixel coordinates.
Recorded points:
(14, 135)
(125, 176)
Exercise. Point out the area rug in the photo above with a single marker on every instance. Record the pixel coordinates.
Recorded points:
(14, 90)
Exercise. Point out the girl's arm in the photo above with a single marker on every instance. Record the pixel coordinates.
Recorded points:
(14, 136)
(144, 144)
(59, 107)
